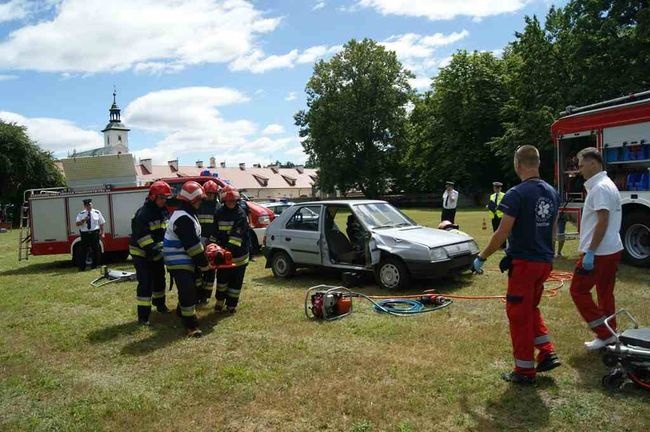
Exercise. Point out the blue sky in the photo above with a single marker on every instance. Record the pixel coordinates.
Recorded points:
(202, 78)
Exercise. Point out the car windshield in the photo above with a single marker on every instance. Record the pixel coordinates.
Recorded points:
(382, 215)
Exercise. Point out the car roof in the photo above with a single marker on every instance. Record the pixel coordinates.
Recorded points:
(343, 202)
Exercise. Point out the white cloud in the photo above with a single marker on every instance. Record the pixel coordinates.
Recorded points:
(291, 96)
(443, 9)
(8, 77)
(319, 5)
(89, 36)
(56, 135)
(445, 62)
(192, 123)
(273, 129)
(13, 10)
(418, 53)
(257, 62)
(420, 83)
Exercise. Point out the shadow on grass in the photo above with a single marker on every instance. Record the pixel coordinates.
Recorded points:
(518, 407)
(165, 330)
(309, 277)
(591, 370)
(625, 273)
(53, 267)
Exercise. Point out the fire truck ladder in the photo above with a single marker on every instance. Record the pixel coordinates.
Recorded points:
(25, 234)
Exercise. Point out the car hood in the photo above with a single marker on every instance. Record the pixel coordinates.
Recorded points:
(429, 237)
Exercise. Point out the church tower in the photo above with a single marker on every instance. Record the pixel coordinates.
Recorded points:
(116, 135)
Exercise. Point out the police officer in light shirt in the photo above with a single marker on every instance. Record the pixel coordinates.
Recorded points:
(91, 227)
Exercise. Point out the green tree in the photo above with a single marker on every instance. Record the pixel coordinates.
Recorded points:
(356, 117)
(451, 125)
(588, 51)
(23, 164)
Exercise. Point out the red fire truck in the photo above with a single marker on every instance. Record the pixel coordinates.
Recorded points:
(620, 129)
(47, 224)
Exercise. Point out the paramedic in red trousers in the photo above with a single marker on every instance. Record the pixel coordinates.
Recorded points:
(184, 252)
(146, 248)
(529, 218)
(231, 234)
(601, 246)
(91, 227)
(449, 203)
(205, 214)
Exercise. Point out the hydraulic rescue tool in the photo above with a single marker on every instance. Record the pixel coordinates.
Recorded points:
(111, 276)
(629, 356)
(326, 302)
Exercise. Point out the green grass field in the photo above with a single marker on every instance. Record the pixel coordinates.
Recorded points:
(72, 358)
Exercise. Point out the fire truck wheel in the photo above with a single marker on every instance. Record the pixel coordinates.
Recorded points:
(116, 256)
(75, 254)
(255, 246)
(282, 265)
(635, 233)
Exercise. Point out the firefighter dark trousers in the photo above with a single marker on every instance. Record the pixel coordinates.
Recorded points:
(89, 242)
(496, 221)
(527, 328)
(186, 284)
(207, 281)
(603, 276)
(229, 283)
(151, 285)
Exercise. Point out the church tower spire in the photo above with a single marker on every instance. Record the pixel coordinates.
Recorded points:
(116, 135)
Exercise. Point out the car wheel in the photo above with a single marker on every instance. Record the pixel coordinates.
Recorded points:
(282, 265)
(392, 274)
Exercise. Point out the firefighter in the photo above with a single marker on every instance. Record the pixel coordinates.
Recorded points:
(146, 248)
(451, 227)
(91, 228)
(493, 207)
(530, 215)
(206, 213)
(184, 252)
(232, 234)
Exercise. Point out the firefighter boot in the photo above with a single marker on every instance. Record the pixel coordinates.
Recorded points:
(143, 315)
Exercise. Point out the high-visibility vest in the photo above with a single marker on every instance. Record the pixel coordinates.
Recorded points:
(496, 199)
(176, 256)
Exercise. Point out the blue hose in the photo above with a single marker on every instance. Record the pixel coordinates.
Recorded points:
(403, 307)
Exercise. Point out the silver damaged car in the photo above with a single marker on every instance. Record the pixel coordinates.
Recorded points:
(364, 235)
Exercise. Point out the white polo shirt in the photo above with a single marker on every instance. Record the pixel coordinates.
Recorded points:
(602, 194)
(452, 202)
(96, 219)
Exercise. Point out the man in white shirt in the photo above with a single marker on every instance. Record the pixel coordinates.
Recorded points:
(600, 243)
(449, 203)
(91, 227)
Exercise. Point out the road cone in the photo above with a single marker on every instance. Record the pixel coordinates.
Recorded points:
(483, 225)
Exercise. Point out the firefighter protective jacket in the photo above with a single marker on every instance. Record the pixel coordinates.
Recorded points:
(147, 231)
(205, 214)
(232, 233)
(182, 246)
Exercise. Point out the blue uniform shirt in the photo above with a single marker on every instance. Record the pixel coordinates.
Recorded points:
(534, 205)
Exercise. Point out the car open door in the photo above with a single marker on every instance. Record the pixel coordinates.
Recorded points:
(301, 235)
(373, 253)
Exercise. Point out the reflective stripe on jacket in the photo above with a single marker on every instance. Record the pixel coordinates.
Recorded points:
(179, 252)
